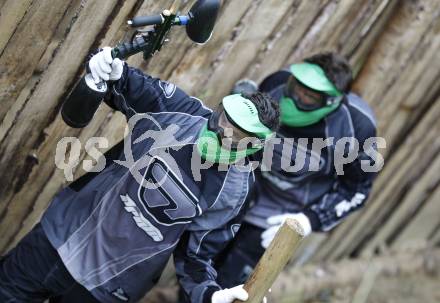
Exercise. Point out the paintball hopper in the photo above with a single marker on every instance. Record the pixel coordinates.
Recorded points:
(199, 22)
(202, 17)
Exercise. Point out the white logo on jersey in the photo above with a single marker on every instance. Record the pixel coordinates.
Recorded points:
(235, 228)
(168, 88)
(140, 220)
(120, 294)
(344, 206)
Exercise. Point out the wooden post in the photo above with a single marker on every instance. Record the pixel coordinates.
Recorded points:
(274, 259)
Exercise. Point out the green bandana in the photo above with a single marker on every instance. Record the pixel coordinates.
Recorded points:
(211, 150)
(244, 114)
(292, 116)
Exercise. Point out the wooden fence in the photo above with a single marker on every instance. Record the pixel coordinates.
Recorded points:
(394, 47)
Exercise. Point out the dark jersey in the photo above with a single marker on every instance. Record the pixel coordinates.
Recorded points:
(115, 230)
(300, 179)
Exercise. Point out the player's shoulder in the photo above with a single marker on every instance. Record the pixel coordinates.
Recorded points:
(274, 80)
(174, 99)
(360, 110)
(361, 115)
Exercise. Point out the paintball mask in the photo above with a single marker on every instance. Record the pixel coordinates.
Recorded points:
(233, 131)
(309, 96)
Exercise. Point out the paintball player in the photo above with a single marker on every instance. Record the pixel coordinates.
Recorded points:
(111, 234)
(316, 104)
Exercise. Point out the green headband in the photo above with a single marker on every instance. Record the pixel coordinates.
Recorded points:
(244, 113)
(313, 76)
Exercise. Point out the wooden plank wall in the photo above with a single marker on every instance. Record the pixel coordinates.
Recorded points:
(393, 46)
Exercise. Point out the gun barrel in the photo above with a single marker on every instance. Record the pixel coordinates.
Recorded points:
(146, 20)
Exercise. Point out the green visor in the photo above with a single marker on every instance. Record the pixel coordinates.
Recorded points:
(245, 115)
(313, 76)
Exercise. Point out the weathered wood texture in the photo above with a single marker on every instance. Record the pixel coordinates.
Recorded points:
(306, 283)
(401, 79)
(393, 46)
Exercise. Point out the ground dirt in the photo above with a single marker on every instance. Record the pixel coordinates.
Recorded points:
(414, 288)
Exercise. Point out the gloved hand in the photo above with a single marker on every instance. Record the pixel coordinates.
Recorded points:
(278, 220)
(228, 295)
(104, 67)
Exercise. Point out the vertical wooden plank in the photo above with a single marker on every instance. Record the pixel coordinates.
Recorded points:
(275, 51)
(411, 202)
(201, 61)
(435, 240)
(25, 48)
(414, 30)
(366, 34)
(257, 25)
(47, 180)
(11, 14)
(420, 76)
(423, 225)
(25, 136)
(58, 36)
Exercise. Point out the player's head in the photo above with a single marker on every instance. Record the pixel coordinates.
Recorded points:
(336, 68)
(240, 125)
(315, 88)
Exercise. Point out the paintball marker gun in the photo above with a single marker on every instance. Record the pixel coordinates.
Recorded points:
(80, 106)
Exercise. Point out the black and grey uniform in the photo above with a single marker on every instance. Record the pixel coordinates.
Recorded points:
(320, 193)
(114, 236)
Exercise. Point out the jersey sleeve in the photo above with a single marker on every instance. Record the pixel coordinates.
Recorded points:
(137, 92)
(349, 194)
(194, 257)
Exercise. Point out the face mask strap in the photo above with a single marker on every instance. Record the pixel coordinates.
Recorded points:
(330, 100)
